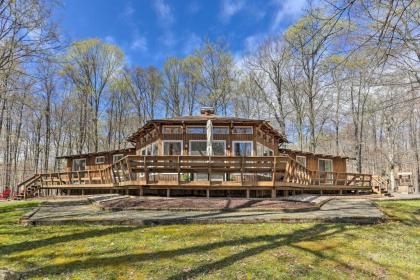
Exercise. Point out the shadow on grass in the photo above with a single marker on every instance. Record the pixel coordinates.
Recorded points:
(35, 244)
(313, 233)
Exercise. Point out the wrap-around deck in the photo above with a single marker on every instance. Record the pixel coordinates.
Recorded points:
(201, 172)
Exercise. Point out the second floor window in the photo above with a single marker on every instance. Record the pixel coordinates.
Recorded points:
(196, 130)
(242, 130)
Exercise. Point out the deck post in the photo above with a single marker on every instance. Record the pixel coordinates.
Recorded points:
(341, 192)
(168, 192)
(126, 192)
(273, 193)
(141, 191)
(208, 193)
(321, 192)
(247, 193)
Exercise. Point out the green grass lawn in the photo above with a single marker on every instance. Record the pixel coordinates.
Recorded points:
(245, 251)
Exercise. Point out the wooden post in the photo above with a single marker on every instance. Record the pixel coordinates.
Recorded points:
(274, 171)
(141, 191)
(242, 170)
(146, 171)
(247, 193)
(83, 192)
(321, 192)
(208, 193)
(168, 192)
(273, 194)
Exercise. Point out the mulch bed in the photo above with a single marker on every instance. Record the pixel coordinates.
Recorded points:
(202, 204)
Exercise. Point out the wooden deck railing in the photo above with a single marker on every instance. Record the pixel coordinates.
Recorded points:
(233, 171)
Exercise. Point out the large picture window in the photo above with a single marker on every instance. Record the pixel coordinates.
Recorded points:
(199, 148)
(172, 148)
(220, 130)
(242, 148)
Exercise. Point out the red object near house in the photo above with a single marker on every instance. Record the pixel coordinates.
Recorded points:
(6, 193)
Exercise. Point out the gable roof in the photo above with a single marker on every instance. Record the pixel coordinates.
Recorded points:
(202, 119)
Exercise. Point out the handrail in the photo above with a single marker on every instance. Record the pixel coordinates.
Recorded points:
(148, 168)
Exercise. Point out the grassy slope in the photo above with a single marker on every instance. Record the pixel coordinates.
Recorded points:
(259, 251)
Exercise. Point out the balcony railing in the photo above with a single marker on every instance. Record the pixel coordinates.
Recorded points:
(204, 171)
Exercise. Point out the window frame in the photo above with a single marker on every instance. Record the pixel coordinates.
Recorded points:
(196, 126)
(96, 160)
(172, 126)
(172, 141)
(240, 141)
(235, 127)
(225, 127)
(113, 157)
(205, 141)
(326, 159)
(78, 159)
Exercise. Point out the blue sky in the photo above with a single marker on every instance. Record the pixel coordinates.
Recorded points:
(148, 31)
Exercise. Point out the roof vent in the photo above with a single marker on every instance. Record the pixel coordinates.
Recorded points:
(206, 111)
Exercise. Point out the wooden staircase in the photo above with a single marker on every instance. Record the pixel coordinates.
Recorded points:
(29, 188)
(380, 185)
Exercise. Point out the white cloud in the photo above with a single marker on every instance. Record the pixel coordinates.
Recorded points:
(229, 8)
(109, 39)
(192, 43)
(287, 9)
(163, 12)
(139, 44)
(252, 42)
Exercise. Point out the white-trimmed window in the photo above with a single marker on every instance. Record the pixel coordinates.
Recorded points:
(242, 130)
(196, 130)
(100, 160)
(220, 130)
(199, 147)
(301, 160)
(171, 129)
(172, 147)
(117, 157)
(242, 148)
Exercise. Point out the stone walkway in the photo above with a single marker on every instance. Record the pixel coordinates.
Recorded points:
(82, 211)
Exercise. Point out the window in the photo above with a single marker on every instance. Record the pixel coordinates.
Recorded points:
(242, 130)
(264, 151)
(196, 130)
(100, 160)
(172, 148)
(79, 164)
(242, 148)
(199, 148)
(301, 160)
(325, 165)
(117, 157)
(154, 149)
(172, 130)
(220, 130)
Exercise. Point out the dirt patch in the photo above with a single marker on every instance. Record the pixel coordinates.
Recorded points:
(203, 204)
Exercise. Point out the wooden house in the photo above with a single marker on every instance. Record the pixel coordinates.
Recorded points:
(206, 155)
